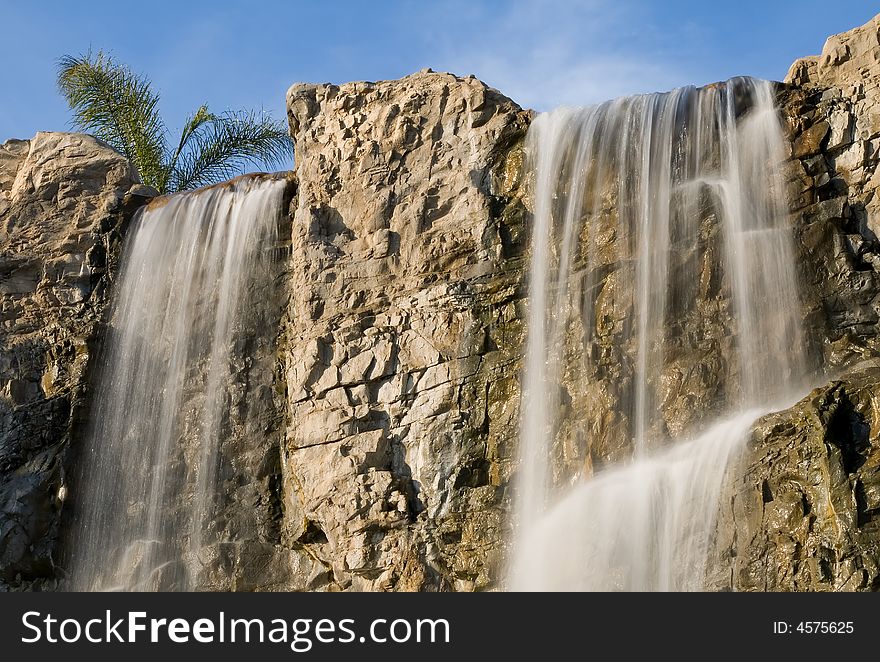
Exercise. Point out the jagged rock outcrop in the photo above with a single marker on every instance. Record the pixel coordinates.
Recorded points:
(65, 199)
(404, 331)
(833, 111)
(804, 515)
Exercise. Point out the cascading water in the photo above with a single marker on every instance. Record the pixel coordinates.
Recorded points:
(661, 253)
(188, 298)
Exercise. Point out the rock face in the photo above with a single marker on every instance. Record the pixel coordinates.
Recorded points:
(404, 332)
(64, 201)
(833, 111)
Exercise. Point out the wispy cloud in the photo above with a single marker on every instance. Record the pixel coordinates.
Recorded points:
(556, 52)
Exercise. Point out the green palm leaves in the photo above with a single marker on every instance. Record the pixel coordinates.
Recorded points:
(121, 108)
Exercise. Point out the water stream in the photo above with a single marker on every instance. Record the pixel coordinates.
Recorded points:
(148, 493)
(661, 250)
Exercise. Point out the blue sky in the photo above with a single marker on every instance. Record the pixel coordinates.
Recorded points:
(542, 54)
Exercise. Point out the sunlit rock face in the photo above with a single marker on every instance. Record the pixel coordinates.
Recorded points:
(65, 200)
(833, 114)
(801, 513)
(403, 331)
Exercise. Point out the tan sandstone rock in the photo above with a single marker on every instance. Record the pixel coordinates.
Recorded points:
(846, 80)
(403, 333)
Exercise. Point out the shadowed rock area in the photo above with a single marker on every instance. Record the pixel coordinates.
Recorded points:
(65, 200)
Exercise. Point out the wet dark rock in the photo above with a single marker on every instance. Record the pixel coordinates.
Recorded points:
(802, 515)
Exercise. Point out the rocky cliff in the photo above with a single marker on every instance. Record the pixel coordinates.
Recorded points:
(398, 361)
(404, 332)
(802, 512)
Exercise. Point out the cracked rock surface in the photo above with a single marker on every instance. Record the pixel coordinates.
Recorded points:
(404, 332)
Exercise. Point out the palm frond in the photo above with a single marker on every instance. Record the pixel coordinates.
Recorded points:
(220, 147)
(192, 125)
(118, 107)
(121, 108)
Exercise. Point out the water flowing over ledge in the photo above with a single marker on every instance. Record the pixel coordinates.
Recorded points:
(661, 230)
(150, 487)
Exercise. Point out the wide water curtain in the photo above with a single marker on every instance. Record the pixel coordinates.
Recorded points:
(192, 292)
(663, 311)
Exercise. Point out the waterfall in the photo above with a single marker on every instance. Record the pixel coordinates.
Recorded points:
(190, 297)
(664, 319)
